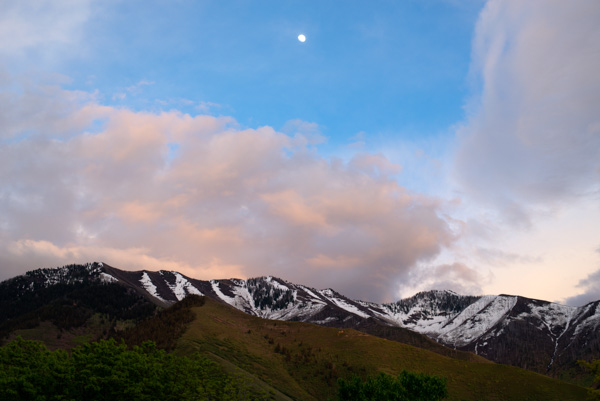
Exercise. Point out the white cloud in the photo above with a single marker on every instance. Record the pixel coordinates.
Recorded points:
(527, 163)
(533, 136)
(136, 89)
(48, 28)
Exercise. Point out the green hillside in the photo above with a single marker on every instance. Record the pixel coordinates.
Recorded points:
(304, 361)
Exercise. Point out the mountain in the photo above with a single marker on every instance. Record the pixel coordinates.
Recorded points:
(537, 335)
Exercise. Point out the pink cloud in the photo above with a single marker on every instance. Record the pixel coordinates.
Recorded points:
(230, 202)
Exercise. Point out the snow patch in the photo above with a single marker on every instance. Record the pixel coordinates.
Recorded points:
(315, 297)
(182, 288)
(474, 327)
(275, 283)
(217, 290)
(469, 312)
(302, 311)
(325, 321)
(343, 304)
(107, 278)
(149, 286)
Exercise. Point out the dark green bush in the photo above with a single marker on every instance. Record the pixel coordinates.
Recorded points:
(106, 370)
(406, 387)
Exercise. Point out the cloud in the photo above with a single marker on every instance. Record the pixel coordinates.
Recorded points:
(526, 162)
(206, 107)
(498, 257)
(457, 277)
(303, 131)
(81, 182)
(50, 29)
(27, 111)
(137, 88)
(20, 254)
(591, 287)
(374, 164)
(532, 139)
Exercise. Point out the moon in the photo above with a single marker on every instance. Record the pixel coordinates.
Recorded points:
(302, 38)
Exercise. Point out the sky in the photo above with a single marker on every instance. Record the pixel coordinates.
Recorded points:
(404, 146)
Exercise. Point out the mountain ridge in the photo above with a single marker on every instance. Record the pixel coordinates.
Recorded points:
(534, 334)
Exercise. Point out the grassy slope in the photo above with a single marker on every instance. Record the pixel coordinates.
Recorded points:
(415, 339)
(310, 358)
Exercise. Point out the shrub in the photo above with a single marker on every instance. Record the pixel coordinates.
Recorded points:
(406, 387)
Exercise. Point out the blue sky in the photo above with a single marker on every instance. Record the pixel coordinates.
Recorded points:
(404, 146)
(386, 69)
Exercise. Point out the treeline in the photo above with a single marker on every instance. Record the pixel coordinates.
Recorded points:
(165, 328)
(71, 305)
(106, 370)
